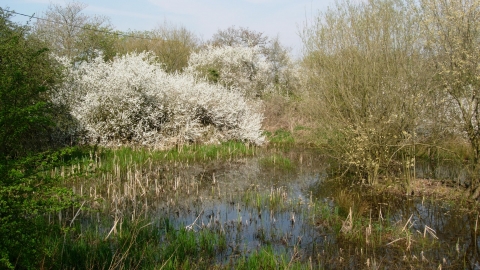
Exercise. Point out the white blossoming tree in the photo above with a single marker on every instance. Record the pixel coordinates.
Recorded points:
(245, 69)
(133, 100)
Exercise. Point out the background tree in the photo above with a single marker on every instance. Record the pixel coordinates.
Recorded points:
(71, 33)
(240, 37)
(283, 71)
(243, 69)
(171, 44)
(452, 42)
(365, 72)
(286, 73)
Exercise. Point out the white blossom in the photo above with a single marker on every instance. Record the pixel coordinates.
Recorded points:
(132, 99)
(242, 68)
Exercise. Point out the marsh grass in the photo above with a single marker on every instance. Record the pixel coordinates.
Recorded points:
(139, 245)
(278, 162)
(120, 189)
(126, 156)
(142, 209)
(280, 138)
(276, 199)
(368, 229)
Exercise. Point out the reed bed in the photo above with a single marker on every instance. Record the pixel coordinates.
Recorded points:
(220, 207)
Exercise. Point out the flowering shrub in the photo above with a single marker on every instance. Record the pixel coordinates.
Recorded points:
(132, 99)
(245, 69)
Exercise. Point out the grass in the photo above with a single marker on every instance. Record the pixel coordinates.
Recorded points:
(276, 199)
(280, 138)
(279, 162)
(139, 245)
(126, 156)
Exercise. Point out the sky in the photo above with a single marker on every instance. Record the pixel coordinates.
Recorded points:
(284, 18)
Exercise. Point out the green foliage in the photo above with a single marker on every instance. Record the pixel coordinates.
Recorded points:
(26, 75)
(266, 258)
(280, 137)
(96, 41)
(213, 75)
(26, 195)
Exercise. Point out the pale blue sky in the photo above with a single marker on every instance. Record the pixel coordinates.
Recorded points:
(203, 17)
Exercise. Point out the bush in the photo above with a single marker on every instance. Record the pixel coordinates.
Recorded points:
(133, 100)
(26, 76)
(241, 68)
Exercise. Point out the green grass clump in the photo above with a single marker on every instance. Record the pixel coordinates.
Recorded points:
(126, 156)
(274, 199)
(278, 162)
(266, 258)
(134, 244)
(280, 137)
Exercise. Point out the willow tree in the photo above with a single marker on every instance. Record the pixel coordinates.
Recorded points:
(452, 42)
(364, 67)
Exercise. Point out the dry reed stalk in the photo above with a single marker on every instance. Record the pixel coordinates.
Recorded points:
(78, 211)
(396, 240)
(431, 231)
(348, 223)
(114, 228)
(368, 233)
(408, 221)
(476, 227)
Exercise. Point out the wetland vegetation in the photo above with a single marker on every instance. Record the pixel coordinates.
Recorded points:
(363, 154)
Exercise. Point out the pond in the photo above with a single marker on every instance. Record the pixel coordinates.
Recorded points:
(284, 202)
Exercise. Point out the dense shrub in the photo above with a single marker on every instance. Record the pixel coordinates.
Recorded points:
(244, 69)
(133, 100)
(26, 76)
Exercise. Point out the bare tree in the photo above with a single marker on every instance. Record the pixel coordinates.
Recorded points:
(171, 44)
(241, 36)
(365, 73)
(70, 32)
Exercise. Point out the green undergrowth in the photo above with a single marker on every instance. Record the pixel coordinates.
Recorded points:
(125, 156)
(266, 258)
(130, 244)
(280, 138)
(278, 161)
(87, 160)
